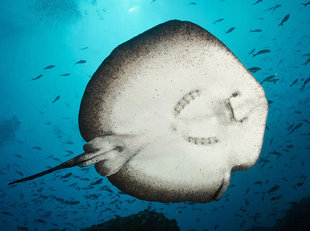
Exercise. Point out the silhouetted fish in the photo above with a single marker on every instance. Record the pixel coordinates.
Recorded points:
(97, 182)
(305, 4)
(308, 60)
(307, 121)
(275, 198)
(258, 1)
(57, 98)
(66, 176)
(256, 30)
(284, 19)
(273, 8)
(276, 153)
(294, 82)
(295, 128)
(254, 69)
(268, 79)
(274, 188)
(261, 52)
(37, 148)
(69, 151)
(38, 77)
(300, 184)
(81, 61)
(251, 52)
(230, 30)
(49, 67)
(305, 83)
(19, 173)
(83, 48)
(192, 3)
(219, 20)
(65, 74)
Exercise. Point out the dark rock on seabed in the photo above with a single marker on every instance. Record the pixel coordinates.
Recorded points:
(297, 218)
(143, 221)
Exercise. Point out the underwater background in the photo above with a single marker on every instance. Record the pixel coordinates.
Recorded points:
(51, 48)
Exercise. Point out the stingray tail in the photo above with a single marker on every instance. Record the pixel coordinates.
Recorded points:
(68, 164)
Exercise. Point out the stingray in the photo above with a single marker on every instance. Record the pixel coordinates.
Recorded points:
(169, 115)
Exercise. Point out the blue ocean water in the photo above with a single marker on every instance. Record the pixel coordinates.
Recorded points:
(39, 114)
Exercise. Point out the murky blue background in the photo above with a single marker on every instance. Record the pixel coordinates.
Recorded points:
(36, 133)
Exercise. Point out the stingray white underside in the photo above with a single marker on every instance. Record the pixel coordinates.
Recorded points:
(196, 114)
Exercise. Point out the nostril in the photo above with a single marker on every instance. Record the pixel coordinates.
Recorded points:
(119, 148)
(236, 93)
(238, 107)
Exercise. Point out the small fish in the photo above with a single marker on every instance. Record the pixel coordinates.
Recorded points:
(49, 67)
(22, 228)
(38, 77)
(307, 121)
(81, 61)
(254, 69)
(37, 148)
(57, 98)
(219, 20)
(268, 79)
(40, 221)
(261, 52)
(258, 182)
(295, 128)
(284, 19)
(256, 30)
(192, 3)
(308, 60)
(251, 52)
(294, 82)
(290, 127)
(97, 182)
(19, 173)
(290, 146)
(305, 4)
(273, 80)
(275, 198)
(83, 48)
(230, 30)
(271, 140)
(65, 74)
(308, 54)
(270, 102)
(276, 153)
(66, 176)
(274, 188)
(258, 1)
(273, 8)
(305, 83)
(17, 155)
